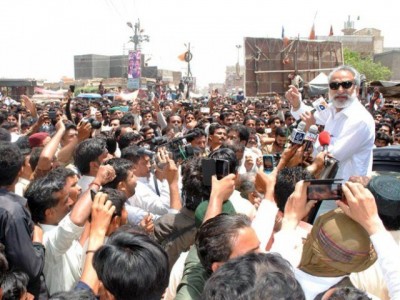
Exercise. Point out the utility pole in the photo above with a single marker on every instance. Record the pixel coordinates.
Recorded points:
(138, 37)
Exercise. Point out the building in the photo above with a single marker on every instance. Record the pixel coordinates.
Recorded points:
(234, 78)
(366, 41)
(14, 88)
(90, 66)
(391, 60)
(93, 66)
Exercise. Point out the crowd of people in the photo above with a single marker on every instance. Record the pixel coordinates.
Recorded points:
(162, 198)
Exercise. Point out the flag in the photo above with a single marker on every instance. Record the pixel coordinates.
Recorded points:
(312, 33)
(182, 56)
(284, 38)
(331, 31)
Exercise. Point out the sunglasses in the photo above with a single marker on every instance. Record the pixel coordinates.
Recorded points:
(345, 84)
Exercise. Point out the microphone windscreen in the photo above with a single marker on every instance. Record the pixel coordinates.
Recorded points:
(324, 138)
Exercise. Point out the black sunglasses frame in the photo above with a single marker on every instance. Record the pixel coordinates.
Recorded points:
(345, 84)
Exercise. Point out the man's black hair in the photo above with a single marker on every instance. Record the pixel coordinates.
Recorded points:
(244, 132)
(117, 198)
(127, 118)
(87, 151)
(121, 167)
(74, 295)
(13, 285)
(111, 142)
(5, 135)
(286, 182)
(132, 267)
(193, 190)
(197, 132)
(348, 293)
(214, 127)
(216, 236)
(226, 154)
(254, 276)
(34, 157)
(127, 139)
(11, 161)
(62, 172)
(282, 132)
(9, 125)
(272, 119)
(130, 153)
(41, 195)
(225, 114)
(383, 137)
(23, 145)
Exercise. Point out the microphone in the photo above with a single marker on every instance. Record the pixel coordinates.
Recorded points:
(190, 135)
(320, 104)
(324, 140)
(311, 137)
(298, 134)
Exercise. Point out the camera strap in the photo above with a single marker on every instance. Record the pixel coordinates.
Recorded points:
(156, 185)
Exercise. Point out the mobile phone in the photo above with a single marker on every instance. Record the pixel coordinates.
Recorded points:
(211, 167)
(324, 190)
(205, 110)
(268, 162)
(221, 168)
(52, 114)
(208, 169)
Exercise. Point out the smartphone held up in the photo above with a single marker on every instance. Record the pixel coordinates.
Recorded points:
(324, 190)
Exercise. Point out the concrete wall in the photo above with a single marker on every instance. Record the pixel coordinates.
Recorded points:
(391, 60)
(91, 66)
(118, 66)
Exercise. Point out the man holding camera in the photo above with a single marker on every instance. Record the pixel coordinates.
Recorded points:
(158, 192)
(350, 125)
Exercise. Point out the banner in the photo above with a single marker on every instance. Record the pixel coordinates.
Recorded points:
(134, 70)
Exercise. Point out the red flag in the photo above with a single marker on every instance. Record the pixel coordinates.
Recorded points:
(312, 33)
(331, 31)
(182, 56)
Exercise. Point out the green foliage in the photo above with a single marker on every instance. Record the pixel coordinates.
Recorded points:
(365, 65)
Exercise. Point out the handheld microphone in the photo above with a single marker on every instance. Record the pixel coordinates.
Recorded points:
(298, 134)
(324, 140)
(320, 104)
(311, 137)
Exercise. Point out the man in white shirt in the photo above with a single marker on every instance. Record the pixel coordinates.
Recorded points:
(153, 195)
(50, 205)
(350, 125)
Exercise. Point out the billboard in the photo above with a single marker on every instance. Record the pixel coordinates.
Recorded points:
(134, 70)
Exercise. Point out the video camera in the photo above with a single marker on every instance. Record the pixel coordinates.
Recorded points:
(95, 124)
(178, 148)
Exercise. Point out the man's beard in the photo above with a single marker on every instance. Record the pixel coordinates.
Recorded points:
(350, 99)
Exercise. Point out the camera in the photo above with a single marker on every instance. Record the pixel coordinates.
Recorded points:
(178, 148)
(93, 122)
(52, 114)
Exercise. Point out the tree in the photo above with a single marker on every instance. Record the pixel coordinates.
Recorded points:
(365, 65)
